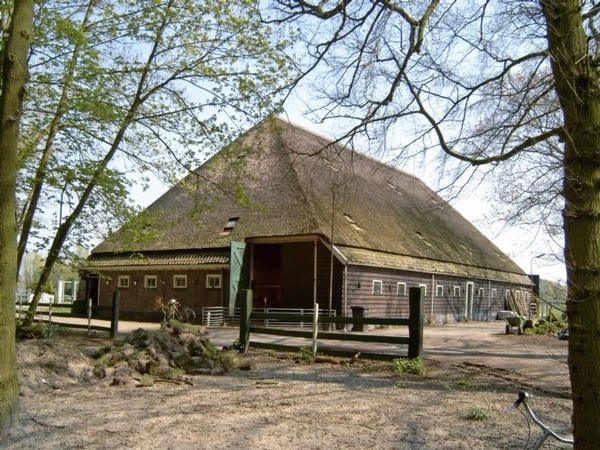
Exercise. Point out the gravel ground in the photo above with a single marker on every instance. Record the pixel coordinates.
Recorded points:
(473, 374)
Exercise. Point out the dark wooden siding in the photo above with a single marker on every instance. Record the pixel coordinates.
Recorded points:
(137, 298)
(450, 305)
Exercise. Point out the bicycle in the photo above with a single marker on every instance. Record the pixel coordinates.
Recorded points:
(522, 400)
(178, 312)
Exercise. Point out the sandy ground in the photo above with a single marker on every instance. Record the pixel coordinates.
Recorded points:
(474, 371)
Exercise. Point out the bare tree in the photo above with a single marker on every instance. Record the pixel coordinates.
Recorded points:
(486, 83)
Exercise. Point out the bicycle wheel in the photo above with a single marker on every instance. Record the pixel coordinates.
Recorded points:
(189, 315)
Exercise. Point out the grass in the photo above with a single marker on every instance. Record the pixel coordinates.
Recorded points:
(413, 366)
(305, 354)
(477, 414)
(466, 382)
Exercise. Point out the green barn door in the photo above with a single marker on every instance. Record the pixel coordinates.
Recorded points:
(239, 274)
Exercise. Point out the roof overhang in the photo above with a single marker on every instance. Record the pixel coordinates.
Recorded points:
(370, 258)
(181, 260)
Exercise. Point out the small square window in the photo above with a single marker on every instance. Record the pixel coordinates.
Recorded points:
(494, 293)
(179, 281)
(457, 291)
(123, 281)
(213, 281)
(481, 292)
(377, 287)
(423, 287)
(439, 290)
(150, 282)
(401, 289)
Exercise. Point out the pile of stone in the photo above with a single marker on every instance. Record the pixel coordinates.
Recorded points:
(167, 354)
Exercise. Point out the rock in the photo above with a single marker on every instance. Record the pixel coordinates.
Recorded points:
(100, 372)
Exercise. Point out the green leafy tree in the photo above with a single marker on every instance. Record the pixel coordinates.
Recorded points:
(15, 48)
(117, 91)
(488, 83)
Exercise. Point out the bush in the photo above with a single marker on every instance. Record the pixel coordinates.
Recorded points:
(36, 331)
(545, 328)
(413, 366)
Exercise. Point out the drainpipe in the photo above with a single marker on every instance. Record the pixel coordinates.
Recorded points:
(432, 291)
(331, 259)
(489, 299)
(345, 294)
(315, 274)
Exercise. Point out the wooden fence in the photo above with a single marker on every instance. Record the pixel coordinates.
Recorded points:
(46, 313)
(414, 323)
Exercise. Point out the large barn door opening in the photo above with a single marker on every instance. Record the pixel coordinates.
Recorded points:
(239, 274)
(469, 301)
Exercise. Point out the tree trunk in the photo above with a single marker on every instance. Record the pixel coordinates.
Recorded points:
(14, 74)
(578, 89)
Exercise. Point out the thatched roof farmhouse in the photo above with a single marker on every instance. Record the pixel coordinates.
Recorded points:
(262, 214)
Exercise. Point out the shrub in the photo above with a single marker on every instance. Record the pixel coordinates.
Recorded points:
(546, 328)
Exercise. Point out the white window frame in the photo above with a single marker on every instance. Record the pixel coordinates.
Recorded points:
(123, 282)
(213, 281)
(380, 284)
(456, 291)
(423, 287)
(481, 292)
(150, 282)
(494, 293)
(400, 289)
(439, 290)
(179, 281)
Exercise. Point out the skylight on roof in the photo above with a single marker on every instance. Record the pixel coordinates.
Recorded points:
(423, 238)
(231, 223)
(394, 188)
(352, 222)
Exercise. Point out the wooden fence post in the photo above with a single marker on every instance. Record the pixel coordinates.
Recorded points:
(315, 328)
(114, 319)
(246, 311)
(89, 315)
(415, 326)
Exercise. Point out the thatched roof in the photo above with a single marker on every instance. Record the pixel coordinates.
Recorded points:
(277, 180)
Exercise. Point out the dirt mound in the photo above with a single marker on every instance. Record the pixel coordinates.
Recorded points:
(142, 357)
(145, 356)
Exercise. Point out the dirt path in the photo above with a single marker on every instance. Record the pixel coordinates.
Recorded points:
(473, 370)
(540, 359)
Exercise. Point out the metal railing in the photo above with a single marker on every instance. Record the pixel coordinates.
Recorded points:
(216, 316)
